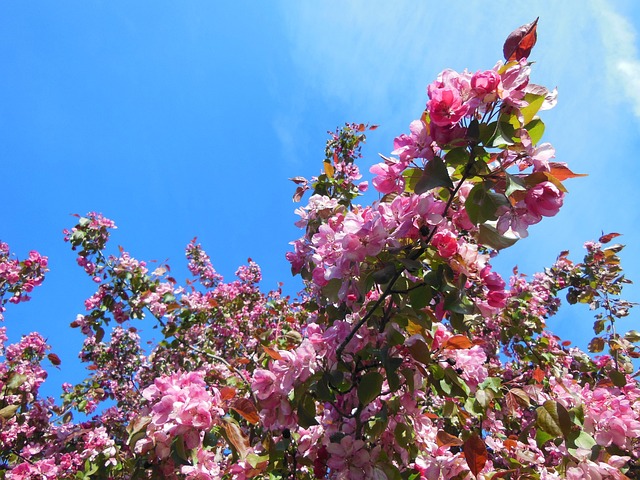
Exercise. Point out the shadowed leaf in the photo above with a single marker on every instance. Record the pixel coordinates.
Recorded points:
(475, 453)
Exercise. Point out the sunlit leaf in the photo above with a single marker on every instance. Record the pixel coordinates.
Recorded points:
(554, 419)
(246, 409)
(608, 237)
(16, 380)
(272, 353)
(444, 439)
(8, 411)
(458, 342)
(520, 42)
(538, 375)
(534, 103)
(236, 438)
(562, 172)
(536, 130)
(329, 169)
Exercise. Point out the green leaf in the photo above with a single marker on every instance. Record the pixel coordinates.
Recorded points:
(391, 364)
(619, 379)
(420, 297)
(543, 437)
(514, 184)
(402, 434)
(435, 175)
(411, 178)
(307, 411)
(535, 102)
(8, 411)
(369, 387)
(632, 336)
(322, 389)
(506, 132)
(584, 440)
(457, 156)
(458, 302)
(15, 380)
(492, 383)
(385, 274)
(554, 419)
(488, 132)
(482, 204)
(410, 264)
(535, 129)
(489, 236)
(485, 397)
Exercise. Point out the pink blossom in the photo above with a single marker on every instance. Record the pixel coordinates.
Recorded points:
(446, 242)
(544, 199)
(446, 106)
(485, 85)
(418, 144)
(388, 177)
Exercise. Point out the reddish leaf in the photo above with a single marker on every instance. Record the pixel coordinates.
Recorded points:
(298, 180)
(475, 453)
(447, 440)
(608, 237)
(237, 439)
(517, 397)
(562, 172)
(54, 359)
(246, 409)
(227, 393)
(458, 342)
(511, 443)
(272, 353)
(297, 196)
(566, 343)
(538, 375)
(520, 42)
(503, 473)
(373, 127)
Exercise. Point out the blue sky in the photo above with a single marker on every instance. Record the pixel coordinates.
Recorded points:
(183, 119)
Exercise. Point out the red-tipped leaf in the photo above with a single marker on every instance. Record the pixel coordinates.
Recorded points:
(520, 42)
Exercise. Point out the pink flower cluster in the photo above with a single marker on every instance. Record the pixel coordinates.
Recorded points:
(19, 278)
(272, 387)
(180, 405)
(200, 265)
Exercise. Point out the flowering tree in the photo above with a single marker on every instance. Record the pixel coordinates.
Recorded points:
(407, 356)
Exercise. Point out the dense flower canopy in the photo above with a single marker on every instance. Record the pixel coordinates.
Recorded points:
(407, 356)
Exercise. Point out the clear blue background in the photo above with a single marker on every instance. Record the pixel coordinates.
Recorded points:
(183, 119)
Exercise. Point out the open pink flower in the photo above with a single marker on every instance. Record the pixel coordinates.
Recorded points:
(545, 199)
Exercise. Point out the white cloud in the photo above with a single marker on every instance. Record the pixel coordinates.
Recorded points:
(619, 40)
